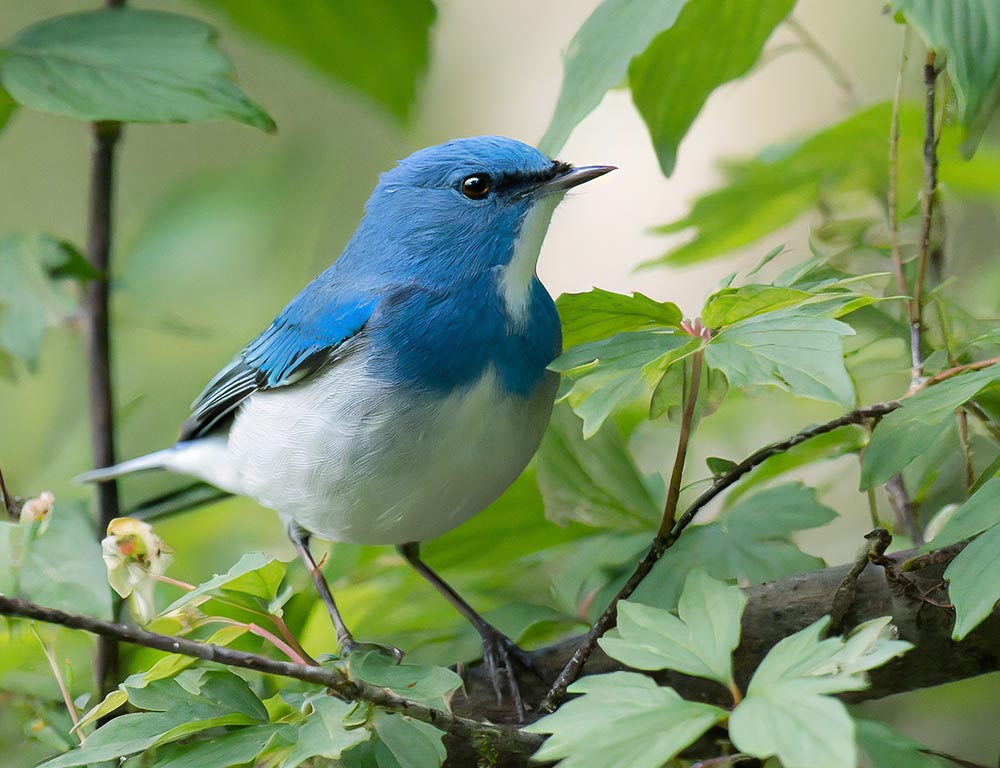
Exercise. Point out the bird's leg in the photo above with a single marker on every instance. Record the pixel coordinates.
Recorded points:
(346, 643)
(499, 651)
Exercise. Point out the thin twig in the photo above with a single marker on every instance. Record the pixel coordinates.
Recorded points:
(892, 199)
(876, 543)
(677, 473)
(63, 689)
(927, 214)
(9, 502)
(832, 66)
(904, 509)
(962, 418)
(330, 677)
(571, 671)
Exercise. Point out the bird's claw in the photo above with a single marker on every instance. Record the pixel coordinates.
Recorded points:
(500, 654)
(350, 645)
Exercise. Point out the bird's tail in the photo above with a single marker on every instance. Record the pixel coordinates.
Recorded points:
(155, 460)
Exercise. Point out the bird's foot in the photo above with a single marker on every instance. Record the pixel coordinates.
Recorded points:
(500, 655)
(349, 645)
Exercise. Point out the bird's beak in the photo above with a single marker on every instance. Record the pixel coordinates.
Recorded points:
(574, 177)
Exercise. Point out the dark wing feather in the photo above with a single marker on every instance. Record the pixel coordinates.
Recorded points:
(304, 337)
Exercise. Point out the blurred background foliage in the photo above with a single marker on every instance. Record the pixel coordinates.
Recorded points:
(218, 225)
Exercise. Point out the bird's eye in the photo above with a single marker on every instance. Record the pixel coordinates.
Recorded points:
(476, 187)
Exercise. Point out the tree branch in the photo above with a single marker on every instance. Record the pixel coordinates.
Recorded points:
(508, 739)
(574, 666)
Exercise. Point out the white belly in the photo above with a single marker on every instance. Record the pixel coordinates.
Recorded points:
(350, 460)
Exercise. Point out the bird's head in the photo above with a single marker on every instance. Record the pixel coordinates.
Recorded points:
(472, 205)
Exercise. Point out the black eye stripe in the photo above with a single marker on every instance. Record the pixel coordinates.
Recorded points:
(517, 182)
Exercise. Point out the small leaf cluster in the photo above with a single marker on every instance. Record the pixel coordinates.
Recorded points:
(624, 718)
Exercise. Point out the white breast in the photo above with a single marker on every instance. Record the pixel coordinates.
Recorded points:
(350, 459)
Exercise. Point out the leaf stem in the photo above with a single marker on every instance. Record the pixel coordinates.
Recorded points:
(687, 420)
(63, 689)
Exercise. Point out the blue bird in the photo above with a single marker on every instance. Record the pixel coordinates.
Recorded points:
(406, 387)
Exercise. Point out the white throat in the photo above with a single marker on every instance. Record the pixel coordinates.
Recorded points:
(516, 277)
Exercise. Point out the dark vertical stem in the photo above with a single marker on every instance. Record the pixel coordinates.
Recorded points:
(927, 214)
(98, 339)
(677, 474)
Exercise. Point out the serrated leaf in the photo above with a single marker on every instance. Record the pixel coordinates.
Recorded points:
(252, 581)
(788, 349)
(600, 314)
(730, 305)
(787, 711)
(324, 733)
(903, 435)
(967, 32)
(750, 542)
(595, 481)
(380, 50)
(598, 58)
(412, 743)
(674, 76)
(429, 685)
(801, 731)
(31, 299)
(126, 64)
(612, 372)
(973, 583)
(624, 719)
(699, 641)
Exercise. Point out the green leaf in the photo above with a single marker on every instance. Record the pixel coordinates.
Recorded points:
(379, 49)
(788, 349)
(221, 698)
(595, 481)
(62, 568)
(7, 108)
(904, 434)
(31, 298)
(598, 58)
(253, 581)
(599, 314)
(624, 719)
(429, 685)
(968, 33)
(126, 64)
(887, 748)
(749, 542)
(974, 581)
(976, 515)
(675, 75)
(324, 733)
(787, 711)
(699, 641)
(613, 372)
(782, 182)
(730, 305)
(238, 747)
(413, 744)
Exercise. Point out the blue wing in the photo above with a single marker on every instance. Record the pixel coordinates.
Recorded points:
(303, 338)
